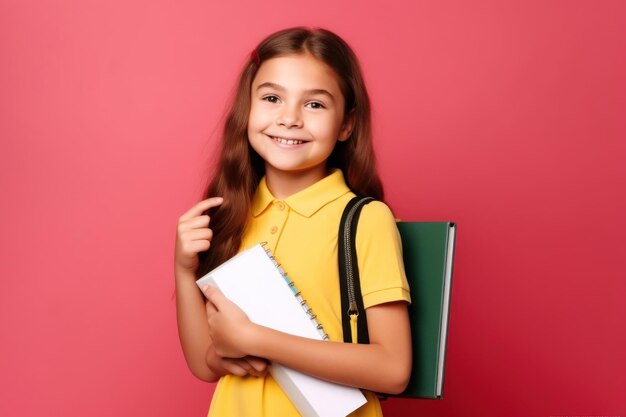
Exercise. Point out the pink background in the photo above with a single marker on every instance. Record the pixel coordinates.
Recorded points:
(506, 117)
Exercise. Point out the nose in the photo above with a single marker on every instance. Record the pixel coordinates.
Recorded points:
(290, 117)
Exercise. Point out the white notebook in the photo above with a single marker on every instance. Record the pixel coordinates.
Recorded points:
(258, 285)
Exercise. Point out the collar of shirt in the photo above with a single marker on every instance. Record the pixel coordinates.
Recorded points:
(306, 202)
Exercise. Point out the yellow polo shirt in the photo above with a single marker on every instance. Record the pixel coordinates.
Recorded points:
(301, 231)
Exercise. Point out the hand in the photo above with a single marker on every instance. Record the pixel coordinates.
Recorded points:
(229, 326)
(193, 234)
(246, 366)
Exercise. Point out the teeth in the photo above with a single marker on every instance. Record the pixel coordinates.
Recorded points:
(288, 141)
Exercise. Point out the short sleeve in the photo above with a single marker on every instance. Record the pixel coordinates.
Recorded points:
(379, 253)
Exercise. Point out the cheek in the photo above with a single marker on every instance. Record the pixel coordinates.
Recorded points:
(258, 118)
(329, 127)
(255, 142)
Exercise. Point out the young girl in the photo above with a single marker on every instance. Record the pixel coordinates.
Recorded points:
(296, 148)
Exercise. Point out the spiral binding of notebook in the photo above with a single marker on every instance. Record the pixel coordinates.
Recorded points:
(296, 293)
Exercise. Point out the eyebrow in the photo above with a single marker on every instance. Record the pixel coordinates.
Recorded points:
(281, 88)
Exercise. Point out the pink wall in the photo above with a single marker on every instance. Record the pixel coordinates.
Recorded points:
(506, 117)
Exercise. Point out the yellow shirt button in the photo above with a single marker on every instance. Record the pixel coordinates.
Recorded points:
(274, 229)
(281, 205)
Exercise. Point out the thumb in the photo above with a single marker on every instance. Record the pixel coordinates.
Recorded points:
(215, 296)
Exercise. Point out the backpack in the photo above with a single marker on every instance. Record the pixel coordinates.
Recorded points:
(428, 251)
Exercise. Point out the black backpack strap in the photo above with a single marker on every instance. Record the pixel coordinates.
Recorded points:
(349, 281)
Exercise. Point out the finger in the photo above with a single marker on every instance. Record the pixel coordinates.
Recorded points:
(234, 367)
(245, 364)
(198, 234)
(206, 289)
(240, 362)
(215, 296)
(197, 246)
(195, 223)
(258, 364)
(254, 372)
(210, 308)
(200, 207)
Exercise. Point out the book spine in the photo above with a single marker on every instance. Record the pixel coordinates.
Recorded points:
(297, 294)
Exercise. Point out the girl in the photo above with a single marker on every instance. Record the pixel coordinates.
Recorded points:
(296, 148)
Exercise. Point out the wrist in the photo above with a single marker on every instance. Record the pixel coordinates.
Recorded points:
(253, 338)
(183, 273)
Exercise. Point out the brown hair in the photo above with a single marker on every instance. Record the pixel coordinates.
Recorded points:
(240, 168)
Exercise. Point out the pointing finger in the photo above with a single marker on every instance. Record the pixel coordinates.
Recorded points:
(200, 207)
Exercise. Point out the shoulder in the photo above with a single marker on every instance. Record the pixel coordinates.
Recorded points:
(376, 215)
(377, 227)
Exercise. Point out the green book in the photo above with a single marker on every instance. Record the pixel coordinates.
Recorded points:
(428, 251)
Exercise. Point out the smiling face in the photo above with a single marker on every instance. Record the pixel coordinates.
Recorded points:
(296, 117)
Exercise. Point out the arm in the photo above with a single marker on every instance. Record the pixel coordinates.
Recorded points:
(193, 236)
(384, 365)
(193, 331)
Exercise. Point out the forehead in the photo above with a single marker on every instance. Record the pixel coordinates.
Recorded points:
(298, 72)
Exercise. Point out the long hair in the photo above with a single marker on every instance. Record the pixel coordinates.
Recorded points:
(240, 168)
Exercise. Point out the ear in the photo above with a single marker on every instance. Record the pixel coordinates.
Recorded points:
(346, 127)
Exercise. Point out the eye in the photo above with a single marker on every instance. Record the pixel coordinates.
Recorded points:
(271, 99)
(315, 105)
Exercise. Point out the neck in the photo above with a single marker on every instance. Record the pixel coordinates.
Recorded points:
(283, 184)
